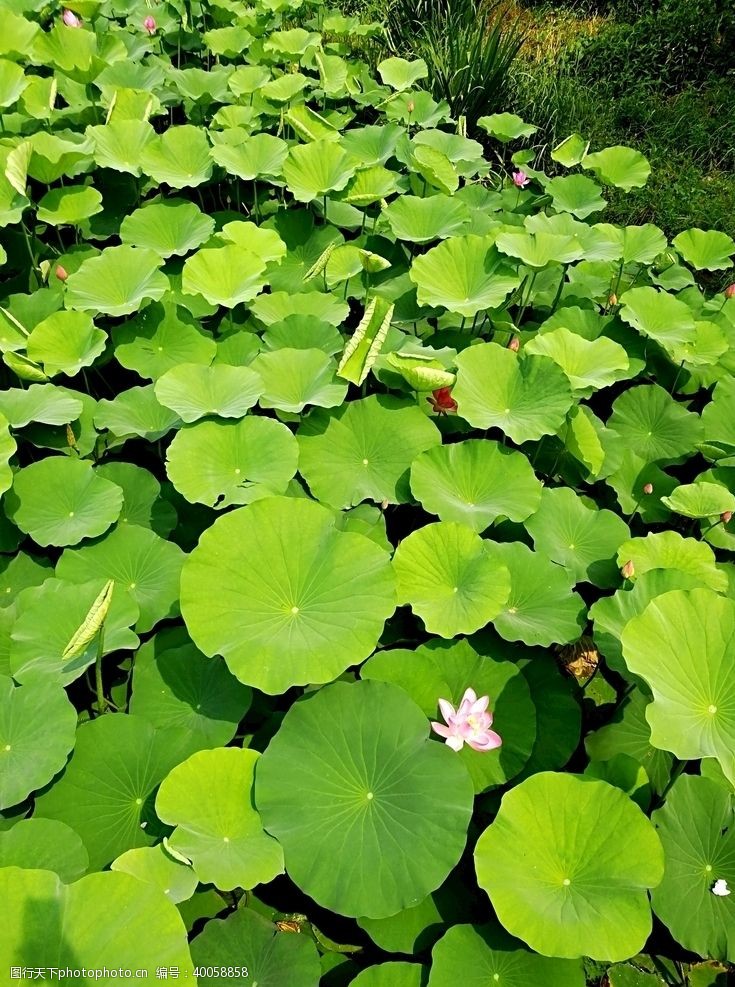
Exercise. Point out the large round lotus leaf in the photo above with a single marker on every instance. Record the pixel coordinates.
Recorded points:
(542, 608)
(636, 244)
(135, 411)
(311, 600)
(168, 227)
(718, 419)
(265, 243)
(303, 333)
(364, 451)
(695, 828)
(37, 731)
(583, 539)
(65, 342)
(506, 126)
(141, 562)
(224, 463)
(477, 955)
(441, 670)
(117, 281)
(539, 249)
(119, 144)
(160, 338)
(256, 156)
(390, 807)
(142, 501)
(475, 482)
(293, 378)
(670, 550)
(208, 798)
(449, 579)
(396, 974)
(683, 646)
(658, 315)
(194, 391)
(179, 157)
(105, 793)
(705, 250)
(312, 170)
(69, 206)
(61, 501)
(153, 865)
(40, 403)
(224, 275)
(44, 844)
(589, 365)
(273, 958)
(525, 397)
(279, 305)
(576, 194)
(652, 423)
(465, 274)
(104, 921)
(420, 220)
(579, 886)
(48, 618)
(700, 500)
(176, 686)
(19, 572)
(620, 166)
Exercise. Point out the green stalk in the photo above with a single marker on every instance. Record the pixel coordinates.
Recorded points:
(101, 701)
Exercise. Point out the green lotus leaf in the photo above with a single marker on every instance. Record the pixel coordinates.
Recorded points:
(237, 349)
(160, 338)
(44, 844)
(690, 672)
(311, 601)
(310, 125)
(700, 500)
(416, 108)
(61, 501)
(65, 342)
(226, 463)
(400, 74)
(208, 798)
(620, 166)
(637, 244)
(525, 397)
(377, 791)
(445, 670)
(589, 365)
(257, 156)
(313, 170)
(575, 194)
(120, 144)
(273, 959)
(538, 250)
(279, 305)
(655, 426)
(265, 243)
(364, 451)
(19, 572)
(570, 151)
(194, 391)
(178, 158)
(541, 609)
(174, 685)
(583, 539)
(506, 126)
(106, 790)
(658, 315)
(420, 371)
(435, 168)
(303, 333)
(695, 829)
(169, 227)
(224, 275)
(38, 403)
(247, 79)
(18, 35)
(117, 281)
(718, 419)
(708, 250)
(293, 378)
(37, 731)
(135, 412)
(450, 581)
(104, 921)
(153, 865)
(420, 220)
(363, 347)
(485, 954)
(142, 501)
(395, 974)
(284, 89)
(371, 185)
(372, 145)
(293, 43)
(565, 895)
(465, 274)
(136, 558)
(69, 206)
(7, 450)
(670, 550)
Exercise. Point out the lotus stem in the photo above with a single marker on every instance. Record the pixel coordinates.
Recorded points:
(101, 701)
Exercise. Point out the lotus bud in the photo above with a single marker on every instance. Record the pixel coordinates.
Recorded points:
(730, 291)
(612, 300)
(70, 19)
(648, 488)
(520, 179)
(410, 106)
(150, 24)
(726, 517)
(514, 344)
(628, 570)
(61, 273)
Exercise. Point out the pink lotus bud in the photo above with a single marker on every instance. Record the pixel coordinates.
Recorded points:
(726, 517)
(730, 291)
(648, 488)
(61, 273)
(520, 179)
(150, 24)
(628, 570)
(612, 300)
(514, 344)
(71, 19)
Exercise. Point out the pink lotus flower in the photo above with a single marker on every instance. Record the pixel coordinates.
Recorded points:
(469, 724)
(520, 179)
(442, 401)
(71, 19)
(150, 25)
